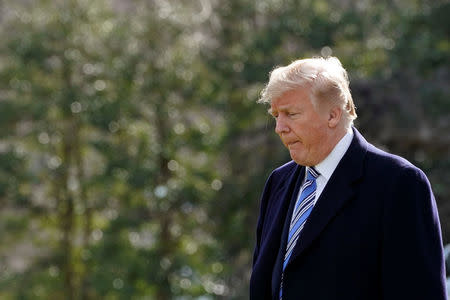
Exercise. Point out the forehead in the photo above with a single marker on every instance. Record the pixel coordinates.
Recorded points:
(293, 98)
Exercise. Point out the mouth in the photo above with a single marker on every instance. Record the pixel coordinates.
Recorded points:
(290, 144)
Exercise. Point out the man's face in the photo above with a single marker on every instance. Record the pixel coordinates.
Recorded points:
(302, 129)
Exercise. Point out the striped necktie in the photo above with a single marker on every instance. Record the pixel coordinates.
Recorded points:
(302, 209)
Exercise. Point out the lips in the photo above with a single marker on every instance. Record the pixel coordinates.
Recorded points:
(290, 144)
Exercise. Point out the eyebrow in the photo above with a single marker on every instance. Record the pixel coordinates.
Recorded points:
(282, 108)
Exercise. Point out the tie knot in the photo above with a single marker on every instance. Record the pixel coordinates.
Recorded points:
(312, 173)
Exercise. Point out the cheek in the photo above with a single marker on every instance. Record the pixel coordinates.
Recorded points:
(313, 135)
(300, 127)
(306, 130)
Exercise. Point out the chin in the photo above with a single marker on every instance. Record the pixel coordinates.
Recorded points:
(302, 161)
(298, 161)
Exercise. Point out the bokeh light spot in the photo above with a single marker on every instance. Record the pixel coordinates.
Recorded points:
(216, 184)
(100, 85)
(118, 283)
(54, 162)
(326, 51)
(44, 138)
(161, 191)
(97, 234)
(76, 107)
(172, 165)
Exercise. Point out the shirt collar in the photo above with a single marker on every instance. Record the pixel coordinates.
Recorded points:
(327, 166)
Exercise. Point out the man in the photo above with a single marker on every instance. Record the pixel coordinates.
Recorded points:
(343, 219)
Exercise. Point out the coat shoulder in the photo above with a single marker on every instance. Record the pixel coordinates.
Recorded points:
(389, 163)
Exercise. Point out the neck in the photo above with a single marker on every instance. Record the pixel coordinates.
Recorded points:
(333, 139)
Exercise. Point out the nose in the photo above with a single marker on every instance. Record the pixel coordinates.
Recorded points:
(281, 126)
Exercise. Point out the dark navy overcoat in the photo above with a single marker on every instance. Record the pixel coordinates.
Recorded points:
(374, 233)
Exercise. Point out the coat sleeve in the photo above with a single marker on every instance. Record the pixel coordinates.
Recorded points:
(412, 265)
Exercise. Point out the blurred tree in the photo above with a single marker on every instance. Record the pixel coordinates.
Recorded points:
(52, 76)
(132, 152)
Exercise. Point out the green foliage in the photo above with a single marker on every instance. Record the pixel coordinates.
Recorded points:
(133, 154)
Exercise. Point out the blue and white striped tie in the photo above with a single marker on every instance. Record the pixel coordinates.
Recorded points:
(302, 209)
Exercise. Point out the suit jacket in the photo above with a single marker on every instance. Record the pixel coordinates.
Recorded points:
(374, 233)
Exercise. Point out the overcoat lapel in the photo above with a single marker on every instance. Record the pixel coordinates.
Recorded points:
(340, 188)
(278, 267)
(270, 246)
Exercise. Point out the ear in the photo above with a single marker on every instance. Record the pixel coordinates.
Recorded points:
(334, 116)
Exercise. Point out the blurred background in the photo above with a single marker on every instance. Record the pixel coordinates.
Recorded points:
(132, 150)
